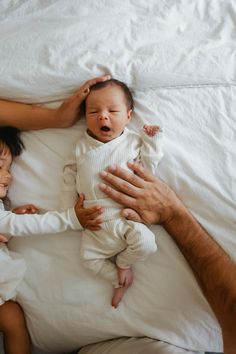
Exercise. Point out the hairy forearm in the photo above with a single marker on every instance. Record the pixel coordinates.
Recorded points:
(26, 116)
(213, 268)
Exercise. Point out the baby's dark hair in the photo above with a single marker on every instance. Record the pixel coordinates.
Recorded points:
(10, 136)
(122, 85)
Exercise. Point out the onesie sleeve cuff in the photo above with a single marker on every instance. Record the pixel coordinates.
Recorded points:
(75, 224)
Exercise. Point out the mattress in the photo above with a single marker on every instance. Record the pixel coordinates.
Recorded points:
(178, 58)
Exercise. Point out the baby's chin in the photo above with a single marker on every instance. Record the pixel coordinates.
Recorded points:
(104, 135)
(105, 138)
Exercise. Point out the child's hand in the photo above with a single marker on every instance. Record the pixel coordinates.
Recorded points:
(26, 209)
(88, 218)
(151, 130)
(3, 238)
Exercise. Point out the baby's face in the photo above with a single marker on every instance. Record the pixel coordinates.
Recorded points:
(5, 164)
(107, 113)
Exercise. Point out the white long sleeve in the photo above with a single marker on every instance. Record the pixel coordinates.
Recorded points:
(69, 193)
(35, 224)
(151, 151)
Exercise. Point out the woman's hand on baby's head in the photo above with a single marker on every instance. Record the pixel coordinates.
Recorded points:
(68, 113)
(89, 218)
(26, 209)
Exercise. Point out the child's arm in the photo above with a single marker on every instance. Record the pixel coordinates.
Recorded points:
(152, 147)
(34, 224)
(27, 222)
(32, 117)
(24, 209)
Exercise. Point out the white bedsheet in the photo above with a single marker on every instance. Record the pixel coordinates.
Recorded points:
(179, 59)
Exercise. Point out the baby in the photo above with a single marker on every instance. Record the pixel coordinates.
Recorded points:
(107, 141)
(12, 322)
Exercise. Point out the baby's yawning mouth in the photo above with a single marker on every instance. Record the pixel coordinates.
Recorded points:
(105, 128)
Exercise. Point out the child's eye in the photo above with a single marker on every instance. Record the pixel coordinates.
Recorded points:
(113, 111)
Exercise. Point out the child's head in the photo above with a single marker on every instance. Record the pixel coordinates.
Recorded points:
(108, 109)
(10, 145)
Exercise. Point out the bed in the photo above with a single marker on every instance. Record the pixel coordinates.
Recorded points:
(178, 58)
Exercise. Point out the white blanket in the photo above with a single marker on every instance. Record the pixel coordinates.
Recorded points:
(179, 59)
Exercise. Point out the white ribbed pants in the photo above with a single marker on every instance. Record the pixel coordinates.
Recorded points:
(130, 241)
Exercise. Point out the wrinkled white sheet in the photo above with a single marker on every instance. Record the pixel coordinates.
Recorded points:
(49, 47)
(179, 59)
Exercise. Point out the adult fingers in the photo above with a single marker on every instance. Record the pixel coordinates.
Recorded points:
(84, 89)
(141, 172)
(123, 181)
(131, 214)
(95, 80)
(126, 175)
(118, 197)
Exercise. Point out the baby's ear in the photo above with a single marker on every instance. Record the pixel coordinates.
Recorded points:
(130, 114)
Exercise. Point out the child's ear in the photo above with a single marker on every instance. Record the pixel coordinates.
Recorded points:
(130, 114)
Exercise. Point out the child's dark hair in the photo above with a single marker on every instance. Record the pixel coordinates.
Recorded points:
(10, 136)
(124, 88)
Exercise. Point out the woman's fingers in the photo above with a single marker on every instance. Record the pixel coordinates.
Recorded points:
(94, 81)
(86, 86)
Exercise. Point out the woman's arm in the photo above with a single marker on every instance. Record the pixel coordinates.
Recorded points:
(149, 200)
(32, 117)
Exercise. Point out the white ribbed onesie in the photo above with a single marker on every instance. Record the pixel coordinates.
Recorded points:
(12, 266)
(130, 241)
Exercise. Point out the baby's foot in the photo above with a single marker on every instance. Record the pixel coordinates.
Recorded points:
(125, 277)
(117, 296)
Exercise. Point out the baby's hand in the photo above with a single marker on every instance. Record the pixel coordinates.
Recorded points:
(26, 209)
(151, 130)
(88, 218)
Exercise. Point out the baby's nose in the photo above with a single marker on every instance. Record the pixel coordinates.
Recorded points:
(103, 115)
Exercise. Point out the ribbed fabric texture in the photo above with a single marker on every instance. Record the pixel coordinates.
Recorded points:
(131, 241)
